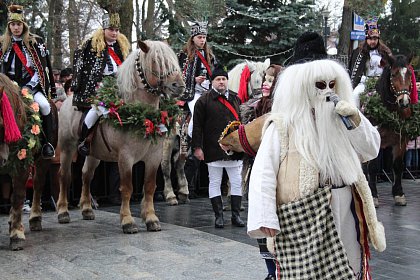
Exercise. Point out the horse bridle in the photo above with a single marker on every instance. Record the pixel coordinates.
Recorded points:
(149, 88)
(398, 93)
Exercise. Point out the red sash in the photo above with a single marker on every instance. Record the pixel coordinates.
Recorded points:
(22, 58)
(204, 61)
(229, 106)
(114, 56)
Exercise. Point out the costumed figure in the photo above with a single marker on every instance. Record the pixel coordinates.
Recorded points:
(366, 61)
(307, 188)
(97, 58)
(24, 58)
(213, 112)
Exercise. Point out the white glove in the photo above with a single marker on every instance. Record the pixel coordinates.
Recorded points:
(345, 109)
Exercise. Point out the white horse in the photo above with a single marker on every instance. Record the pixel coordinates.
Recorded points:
(146, 74)
(257, 71)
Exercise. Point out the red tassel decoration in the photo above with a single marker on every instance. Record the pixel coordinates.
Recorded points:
(243, 84)
(11, 130)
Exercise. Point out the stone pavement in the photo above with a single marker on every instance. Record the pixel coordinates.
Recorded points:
(188, 247)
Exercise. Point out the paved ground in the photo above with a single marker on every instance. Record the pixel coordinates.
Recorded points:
(188, 247)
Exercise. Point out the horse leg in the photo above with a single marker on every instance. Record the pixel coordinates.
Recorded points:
(183, 192)
(147, 207)
(39, 176)
(397, 168)
(16, 228)
(66, 157)
(168, 191)
(85, 198)
(126, 188)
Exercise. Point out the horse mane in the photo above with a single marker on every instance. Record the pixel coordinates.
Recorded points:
(12, 92)
(160, 59)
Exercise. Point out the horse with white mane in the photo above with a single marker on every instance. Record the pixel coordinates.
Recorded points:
(252, 75)
(147, 74)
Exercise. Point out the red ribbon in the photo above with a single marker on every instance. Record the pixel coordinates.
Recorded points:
(11, 129)
(414, 96)
(113, 111)
(114, 56)
(22, 58)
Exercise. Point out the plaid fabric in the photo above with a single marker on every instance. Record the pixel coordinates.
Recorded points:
(308, 246)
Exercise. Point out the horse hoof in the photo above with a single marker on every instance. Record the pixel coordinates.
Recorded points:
(64, 218)
(400, 200)
(153, 226)
(16, 243)
(172, 201)
(376, 202)
(183, 198)
(88, 214)
(130, 228)
(35, 224)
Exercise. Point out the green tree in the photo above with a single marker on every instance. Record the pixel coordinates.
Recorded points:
(256, 29)
(400, 29)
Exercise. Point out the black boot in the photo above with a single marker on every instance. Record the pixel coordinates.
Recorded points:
(236, 207)
(47, 125)
(84, 148)
(217, 204)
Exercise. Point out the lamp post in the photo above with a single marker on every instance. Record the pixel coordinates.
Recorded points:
(326, 29)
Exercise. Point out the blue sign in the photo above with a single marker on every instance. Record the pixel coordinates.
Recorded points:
(357, 35)
(358, 23)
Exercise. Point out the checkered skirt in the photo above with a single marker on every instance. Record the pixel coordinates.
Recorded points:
(308, 245)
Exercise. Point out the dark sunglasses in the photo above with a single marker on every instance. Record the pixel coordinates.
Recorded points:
(323, 85)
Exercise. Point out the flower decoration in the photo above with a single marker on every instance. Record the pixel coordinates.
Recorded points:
(21, 154)
(378, 114)
(25, 149)
(35, 107)
(138, 118)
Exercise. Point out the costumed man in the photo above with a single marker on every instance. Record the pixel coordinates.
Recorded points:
(366, 61)
(24, 58)
(307, 188)
(97, 58)
(196, 61)
(213, 112)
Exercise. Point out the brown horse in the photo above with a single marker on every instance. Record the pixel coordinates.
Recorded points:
(148, 73)
(394, 87)
(20, 171)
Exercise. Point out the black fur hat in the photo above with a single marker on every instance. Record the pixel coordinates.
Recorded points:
(309, 46)
(219, 70)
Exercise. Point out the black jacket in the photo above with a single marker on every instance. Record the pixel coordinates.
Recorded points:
(210, 119)
(88, 71)
(40, 57)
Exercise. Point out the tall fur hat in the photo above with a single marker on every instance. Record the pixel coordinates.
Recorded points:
(371, 28)
(111, 20)
(309, 46)
(219, 70)
(199, 27)
(15, 14)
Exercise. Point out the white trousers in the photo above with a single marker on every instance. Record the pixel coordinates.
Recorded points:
(92, 116)
(215, 180)
(191, 105)
(44, 105)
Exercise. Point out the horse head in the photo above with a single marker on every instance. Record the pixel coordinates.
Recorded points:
(257, 70)
(153, 68)
(395, 85)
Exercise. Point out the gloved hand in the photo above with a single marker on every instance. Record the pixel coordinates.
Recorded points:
(345, 109)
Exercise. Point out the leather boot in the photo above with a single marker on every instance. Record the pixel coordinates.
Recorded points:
(48, 151)
(236, 207)
(217, 204)
(84, 148)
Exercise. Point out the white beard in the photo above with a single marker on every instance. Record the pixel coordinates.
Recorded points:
(335, 158)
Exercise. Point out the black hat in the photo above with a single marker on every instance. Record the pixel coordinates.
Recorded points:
(66, 72)
(219, 70)
(309, 46)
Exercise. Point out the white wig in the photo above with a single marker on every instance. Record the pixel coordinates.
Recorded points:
(295, 98)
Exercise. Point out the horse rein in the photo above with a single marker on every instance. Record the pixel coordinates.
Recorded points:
(399, 93)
